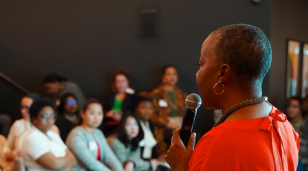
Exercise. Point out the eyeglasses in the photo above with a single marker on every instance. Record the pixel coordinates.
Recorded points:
(45, 116)
(71, 102)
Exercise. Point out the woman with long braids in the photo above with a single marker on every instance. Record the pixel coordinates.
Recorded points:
(251, 134)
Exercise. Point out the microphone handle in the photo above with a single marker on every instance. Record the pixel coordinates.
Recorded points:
(187, 125)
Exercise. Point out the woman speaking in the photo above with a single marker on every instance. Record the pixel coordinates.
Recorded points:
(251, 134)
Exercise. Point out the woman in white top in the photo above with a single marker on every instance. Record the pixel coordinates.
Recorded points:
(21, 128)
(43, 149)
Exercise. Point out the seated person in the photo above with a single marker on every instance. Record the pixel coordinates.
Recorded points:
(21, 128)
(126, 144)
(43, 149)
(68, 114)
(57, 86)
(299, 122)
(89, 144)
(120, 100)
(145, 109)
(169, 104)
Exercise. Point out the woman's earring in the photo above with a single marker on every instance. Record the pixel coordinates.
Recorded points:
(223, 88)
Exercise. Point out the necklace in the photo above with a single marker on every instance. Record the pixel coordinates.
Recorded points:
(238, 106)
(70, 118)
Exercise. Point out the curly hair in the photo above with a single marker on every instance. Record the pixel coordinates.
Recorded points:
(38, 105)
(63, 102)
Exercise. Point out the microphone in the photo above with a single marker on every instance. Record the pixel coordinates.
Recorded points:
(192, 102)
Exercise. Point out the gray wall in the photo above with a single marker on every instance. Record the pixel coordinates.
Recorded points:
(288, 21)
(86, 40)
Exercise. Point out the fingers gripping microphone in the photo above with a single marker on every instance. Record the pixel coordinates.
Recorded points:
(192, 102)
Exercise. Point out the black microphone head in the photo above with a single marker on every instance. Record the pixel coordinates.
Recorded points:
(193, 101)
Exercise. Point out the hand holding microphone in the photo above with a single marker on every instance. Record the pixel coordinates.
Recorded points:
(177, 151)
(192, 102)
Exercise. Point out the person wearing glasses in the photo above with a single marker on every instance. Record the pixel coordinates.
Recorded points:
(43, 149)
(296, 117)
(21, 128)
(68, 114)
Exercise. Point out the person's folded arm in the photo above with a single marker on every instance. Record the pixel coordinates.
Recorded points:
(49, 161)
(40, 152)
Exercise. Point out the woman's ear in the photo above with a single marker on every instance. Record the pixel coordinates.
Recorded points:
(225, 72)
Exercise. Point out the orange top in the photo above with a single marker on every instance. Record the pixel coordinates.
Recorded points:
(266, 143)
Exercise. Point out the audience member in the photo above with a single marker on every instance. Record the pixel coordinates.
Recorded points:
(126, 144)
(57, 86)
(5, 123)
(169, 104)
(145, 109)
(121, 99)
(68, 114)
(89, 144)
(300, 125)
(21, 128)
(43, 149)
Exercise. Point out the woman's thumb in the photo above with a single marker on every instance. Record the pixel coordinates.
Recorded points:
(191, 143)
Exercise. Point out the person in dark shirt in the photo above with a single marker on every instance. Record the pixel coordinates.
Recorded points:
(68, 114)
(299, 122)
(145, 109)
(118, 101)
(57, 86)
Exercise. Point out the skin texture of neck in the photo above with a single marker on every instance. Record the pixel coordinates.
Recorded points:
(90, 130)
(238, 95)
(120, 95)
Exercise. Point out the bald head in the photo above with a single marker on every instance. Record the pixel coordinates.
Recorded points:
(246, 49)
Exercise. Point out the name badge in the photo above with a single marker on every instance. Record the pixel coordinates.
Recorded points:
(92, 145)
(162, 103)
(129, 90)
